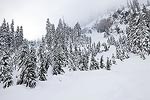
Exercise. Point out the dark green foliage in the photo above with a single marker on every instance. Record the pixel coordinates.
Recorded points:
(43, 62)
(103, 25)
(50, 33)
(113, 59)
(108, 64)
(28, 75)
(94, 64)
(19, 37)
(97, 49)
(111, 40)
(27, 65)
(138, 32)
(43, 70)
(7, 50)
(77, 30)
(58, 64)
(6, 70)
(4, 27)
(106, 47)
(101, 63)
(83, 64)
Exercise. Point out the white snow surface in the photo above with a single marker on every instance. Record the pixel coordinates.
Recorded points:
(96, 37)
(128, 80)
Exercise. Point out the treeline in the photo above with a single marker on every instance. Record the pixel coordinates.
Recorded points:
(135, 36)
(29, 61)
(24, 62)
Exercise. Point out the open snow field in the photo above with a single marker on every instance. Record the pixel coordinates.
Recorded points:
(128, 80)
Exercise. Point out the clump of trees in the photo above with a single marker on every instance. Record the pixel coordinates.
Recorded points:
(103, 25)
(64, 47)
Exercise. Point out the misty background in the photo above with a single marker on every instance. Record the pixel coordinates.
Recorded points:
(32, 14)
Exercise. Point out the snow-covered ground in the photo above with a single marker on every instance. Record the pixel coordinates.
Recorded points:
(128, 80)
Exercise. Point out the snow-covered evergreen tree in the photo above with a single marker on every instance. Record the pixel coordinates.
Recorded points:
(106, 47)
(108, 64)
(50, 33)
(77, 30)
(101, 62)
(11, 37)
(83, 63)
(138, 33)
(97, 49)
(113, 59)
(59, 53)
(94, 64)
(26, 62)
(6, 70)
(19, 37)
(4, 26)
(111, 40)
(58, 64)
(43, 62)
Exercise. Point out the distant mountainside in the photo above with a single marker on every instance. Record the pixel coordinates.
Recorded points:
(128, 29)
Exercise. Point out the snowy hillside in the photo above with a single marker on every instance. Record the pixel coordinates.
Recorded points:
(128, 80)
(105, 60)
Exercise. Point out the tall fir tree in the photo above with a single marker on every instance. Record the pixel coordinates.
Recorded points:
(108, 64)
(19, 37)
(113, 59)
(77, 29)
(26, 62)
(43, 62)
(50, 33)
(83, 63)
(6, 70)
(94, 64)
(101, 62)
(4, 26)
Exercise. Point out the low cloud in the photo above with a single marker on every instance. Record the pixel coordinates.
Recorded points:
(32, 14)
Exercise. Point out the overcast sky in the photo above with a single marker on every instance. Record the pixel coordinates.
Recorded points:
(32, 14)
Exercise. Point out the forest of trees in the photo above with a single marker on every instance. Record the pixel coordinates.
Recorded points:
(24, 62)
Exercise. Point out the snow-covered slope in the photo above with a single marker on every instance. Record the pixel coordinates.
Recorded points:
(128, 80)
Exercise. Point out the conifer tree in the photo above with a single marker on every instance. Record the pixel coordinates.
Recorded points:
(108, 64)
(113, 59)
(58, 64)
(97, 50)
(12, 26)
(50, 33)
(83, 63)
(6, 70)
(94, 64)
(43, 62)
(12, 38)
(4, 26)
(26, 62)
(101, 62)
(19, 37)
(77, 29)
